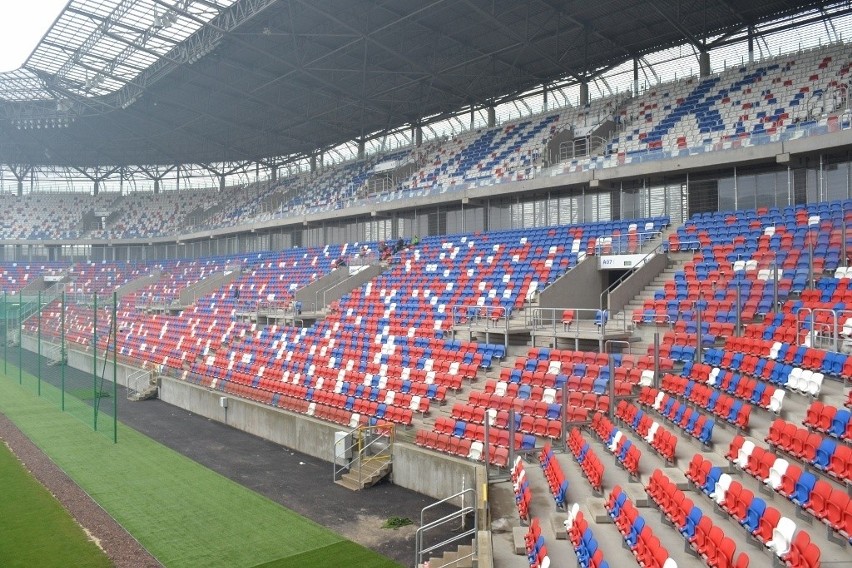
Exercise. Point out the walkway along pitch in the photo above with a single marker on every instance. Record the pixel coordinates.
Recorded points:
(297, 481)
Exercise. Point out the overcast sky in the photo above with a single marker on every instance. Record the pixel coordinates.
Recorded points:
(22, 24)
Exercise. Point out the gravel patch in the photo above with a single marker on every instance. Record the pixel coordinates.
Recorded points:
(124, 550)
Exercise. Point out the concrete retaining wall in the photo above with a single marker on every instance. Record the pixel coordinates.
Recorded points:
(82, 360)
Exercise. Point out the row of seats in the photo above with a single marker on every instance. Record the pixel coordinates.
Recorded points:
(817, 497)
(527, 423)
(707, 539)
(521, 489)
(627, 453)
(733, 411)
(827, 419)
(555, 477)
(792, 378)
(462, 447)
(757, 392)
(590, 464)
(808, 447)
(660, 439)
(761, 521)
(536, 548)
(589, 554)
(638, 536)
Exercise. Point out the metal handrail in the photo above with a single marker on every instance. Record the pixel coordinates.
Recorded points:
(658, 248)
(460, 514)
(471, 314)
(385, 432)
(613, 240)
(834, 327)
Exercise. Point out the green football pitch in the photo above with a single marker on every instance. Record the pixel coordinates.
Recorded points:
(183, 513)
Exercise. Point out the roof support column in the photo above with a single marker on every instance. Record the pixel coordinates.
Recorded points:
(704, 63)
(584, 93)
(472, 117)
(221, 182)
(156, 187)
(313, 163)
(418, 135)
(361, 149)
(97, 187)
(20, 188)
(492, 115)
(635, 76)
(544, 92)
(751, 44)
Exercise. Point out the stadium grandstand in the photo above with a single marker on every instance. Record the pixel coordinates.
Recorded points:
(574, 273)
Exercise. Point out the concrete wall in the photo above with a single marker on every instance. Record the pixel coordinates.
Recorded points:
(302, 433)
(638, 279)
(580, 287)
(311, 295)
(414, 468)
(82, 360)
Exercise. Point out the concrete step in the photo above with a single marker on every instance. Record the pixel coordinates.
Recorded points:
(459, 558)
(364, 474)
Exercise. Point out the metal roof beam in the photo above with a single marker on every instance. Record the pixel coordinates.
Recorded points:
(121, 9)
(679, 27)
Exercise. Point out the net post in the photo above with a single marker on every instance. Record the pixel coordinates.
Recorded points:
(115, 367)
(62, 350)
(38, 332)
(95, 361)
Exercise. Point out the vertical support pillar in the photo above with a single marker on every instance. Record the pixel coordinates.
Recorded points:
(775, 287)
(611, 386)
(221, 183)
(492, 116)
(656, 359)
(584, 93)
(704, 63)
(97, 187)
(313, 163)
(95, 361)
(635, 76)
(418, 135)
(544, 94)
(810, 261)
(5, 334)
(20, 188)
(739, 323)
(115, 367)
(486, 441)
(361, 149)
(699, 356)
(62, 351)
(38, 343)
(20, 339)
(472, 116)
(751, 44)
(511, 435)
(564, 414)
(156, 186)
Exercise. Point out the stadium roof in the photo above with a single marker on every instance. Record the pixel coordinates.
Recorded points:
(121, 82)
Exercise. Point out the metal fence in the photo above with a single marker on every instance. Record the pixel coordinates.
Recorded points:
(63, 349)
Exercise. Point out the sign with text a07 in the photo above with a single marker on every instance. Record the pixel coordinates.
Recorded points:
(622, 261)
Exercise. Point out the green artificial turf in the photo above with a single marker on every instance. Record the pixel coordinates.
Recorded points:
(185, 514)
(36, 530)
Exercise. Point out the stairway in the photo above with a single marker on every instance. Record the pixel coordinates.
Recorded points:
(365, 472)
(644, 334)
(462, 557)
